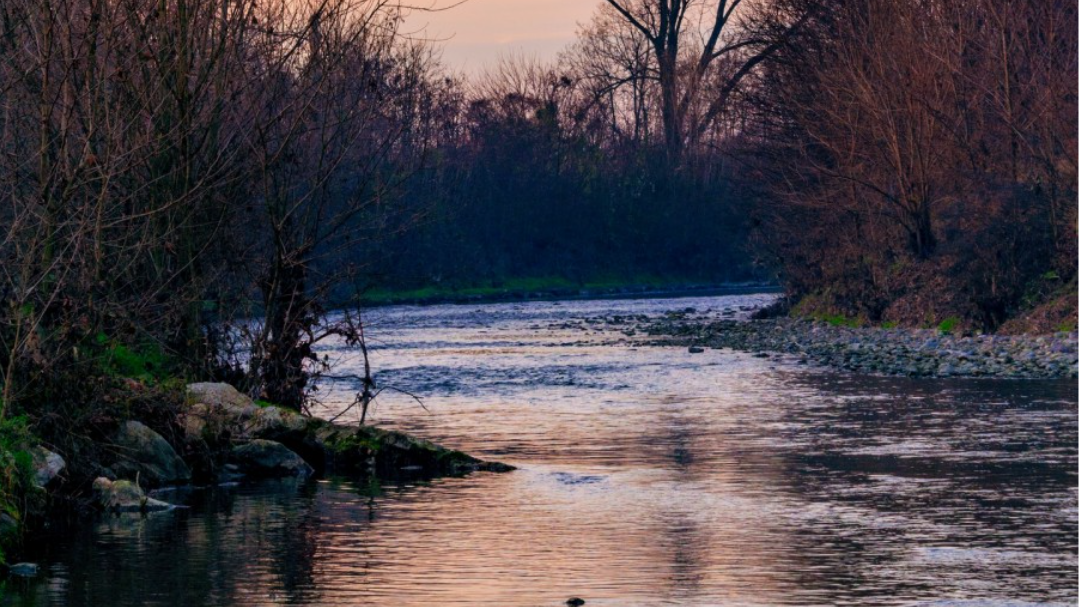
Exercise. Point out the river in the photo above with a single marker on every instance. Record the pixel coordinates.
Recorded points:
(647, 476)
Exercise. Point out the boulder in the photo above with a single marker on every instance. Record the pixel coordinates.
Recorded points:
(47, 466)
(223, 398)
(125, 496)
(148, 456)
(266, 458)
(272, 421)
(221, 408)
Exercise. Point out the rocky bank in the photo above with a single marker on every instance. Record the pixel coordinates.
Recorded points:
(220, 436)
(896, 351)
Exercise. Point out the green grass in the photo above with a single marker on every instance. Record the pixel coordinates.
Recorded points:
(949, 324)
(515, 286)
(839, 320)
(144, 362)
(889, 324)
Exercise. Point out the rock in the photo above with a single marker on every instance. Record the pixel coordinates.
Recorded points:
(23, 569)
(125, 496)
(265, 458)
(696, 350)
(47, 465)
(223, 396)
(148, 456)
(219, 414)
(9, 526)
(386, 453)
(221, 408)
(575, 601)
(194, 421)
(274, 422)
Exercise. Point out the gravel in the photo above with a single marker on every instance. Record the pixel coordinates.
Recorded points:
(912, 352)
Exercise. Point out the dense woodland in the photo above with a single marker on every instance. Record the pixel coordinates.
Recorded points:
(172, 169)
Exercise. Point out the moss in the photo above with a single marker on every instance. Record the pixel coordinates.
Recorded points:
(890, 324)
(345, 442)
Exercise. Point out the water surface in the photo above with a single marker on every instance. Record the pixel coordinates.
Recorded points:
(648, 476)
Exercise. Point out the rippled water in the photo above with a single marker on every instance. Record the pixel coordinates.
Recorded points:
(648, 476)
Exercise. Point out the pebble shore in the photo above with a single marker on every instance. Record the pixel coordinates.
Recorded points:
(910, 352)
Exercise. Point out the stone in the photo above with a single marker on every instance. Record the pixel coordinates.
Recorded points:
(23, 569)
(265, 458)
(218, 414)
(575, 602)
(47, 466)
(194, 421)
(9, 525)
(695, 350)
(224, 396)
(125, 496)
(145, 455)
(270, 422)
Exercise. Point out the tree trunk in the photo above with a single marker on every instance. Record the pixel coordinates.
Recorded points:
(289, 320)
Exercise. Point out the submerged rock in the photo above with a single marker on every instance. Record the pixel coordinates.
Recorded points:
(23, 569)
(125, 496)
(148, 456)
(265, 458)
(47, 466)
(386, 453)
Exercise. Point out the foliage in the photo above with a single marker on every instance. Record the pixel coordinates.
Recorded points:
(16, 475)
(920, 157)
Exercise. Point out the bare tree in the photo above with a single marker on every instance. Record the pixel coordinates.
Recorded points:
(689, 39)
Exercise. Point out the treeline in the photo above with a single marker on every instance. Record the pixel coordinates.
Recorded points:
(599, 164)
(172, 169)
(917, 160)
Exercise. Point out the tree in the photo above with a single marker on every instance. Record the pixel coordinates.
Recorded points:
(703, 51)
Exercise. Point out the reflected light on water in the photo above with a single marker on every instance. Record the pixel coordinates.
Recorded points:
(648, 476)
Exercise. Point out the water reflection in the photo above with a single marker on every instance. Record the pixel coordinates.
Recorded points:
(649, 477)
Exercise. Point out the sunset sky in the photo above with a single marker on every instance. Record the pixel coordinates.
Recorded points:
(479, 31)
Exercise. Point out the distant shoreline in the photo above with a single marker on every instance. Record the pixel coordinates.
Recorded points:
(471, 296)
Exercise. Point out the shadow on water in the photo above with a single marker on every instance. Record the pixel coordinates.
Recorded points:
(648, 476)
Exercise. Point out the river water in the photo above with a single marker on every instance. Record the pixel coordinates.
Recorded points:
(647, 476)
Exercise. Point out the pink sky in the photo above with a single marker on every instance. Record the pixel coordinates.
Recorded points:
(479, 31)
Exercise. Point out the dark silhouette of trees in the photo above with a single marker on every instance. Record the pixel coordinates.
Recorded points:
(702, 51)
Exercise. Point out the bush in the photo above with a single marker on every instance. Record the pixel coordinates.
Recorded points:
(17, 489)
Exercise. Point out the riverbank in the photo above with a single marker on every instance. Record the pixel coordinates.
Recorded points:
(888, 351)
(548, 289)
(212, 436)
